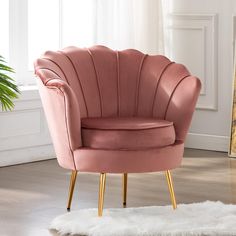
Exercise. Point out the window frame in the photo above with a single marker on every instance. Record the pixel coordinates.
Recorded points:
(18, 42)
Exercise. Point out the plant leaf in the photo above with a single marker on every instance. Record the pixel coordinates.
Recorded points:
(8, 89)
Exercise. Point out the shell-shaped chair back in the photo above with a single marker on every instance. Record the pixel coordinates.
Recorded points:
(127, 83)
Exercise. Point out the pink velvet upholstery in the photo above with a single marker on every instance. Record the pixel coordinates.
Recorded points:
(125, 161)
(126, 133)
(116, 111)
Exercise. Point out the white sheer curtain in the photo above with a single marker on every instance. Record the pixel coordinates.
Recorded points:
(118, 24)
(135, 24)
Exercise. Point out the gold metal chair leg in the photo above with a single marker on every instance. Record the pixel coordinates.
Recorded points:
(125, 178)
(71, 188)
(171, 189)
(102, 184)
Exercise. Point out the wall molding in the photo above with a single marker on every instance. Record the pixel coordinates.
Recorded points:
(180, 25)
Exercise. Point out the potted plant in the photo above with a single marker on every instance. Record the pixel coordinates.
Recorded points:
(8, 89)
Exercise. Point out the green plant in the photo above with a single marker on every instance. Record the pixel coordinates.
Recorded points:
(8, 89)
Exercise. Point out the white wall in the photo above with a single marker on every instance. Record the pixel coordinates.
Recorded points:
(200, 35)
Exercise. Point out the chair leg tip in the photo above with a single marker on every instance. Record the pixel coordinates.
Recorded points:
(68, 209)
(124, 204)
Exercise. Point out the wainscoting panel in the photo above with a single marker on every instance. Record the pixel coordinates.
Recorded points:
(29, 124)
(192, 40)
(24, 134)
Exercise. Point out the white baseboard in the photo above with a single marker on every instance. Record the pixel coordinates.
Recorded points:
(25, 155)
(207, 142)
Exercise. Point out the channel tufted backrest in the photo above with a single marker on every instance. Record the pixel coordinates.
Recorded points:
(111, 83)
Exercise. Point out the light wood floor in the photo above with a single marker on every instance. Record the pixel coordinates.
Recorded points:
(31, 195)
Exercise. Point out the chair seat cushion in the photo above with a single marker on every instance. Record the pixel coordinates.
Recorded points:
(131, 133)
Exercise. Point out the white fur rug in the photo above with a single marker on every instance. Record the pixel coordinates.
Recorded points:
(198, 219)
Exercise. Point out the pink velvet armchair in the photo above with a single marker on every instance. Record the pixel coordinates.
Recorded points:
(116, 112)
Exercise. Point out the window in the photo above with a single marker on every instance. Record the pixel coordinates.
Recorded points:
(31, 27)
(4, 16)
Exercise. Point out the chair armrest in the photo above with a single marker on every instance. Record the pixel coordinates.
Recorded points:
(63, 116)
(72, 112)
(182, 105)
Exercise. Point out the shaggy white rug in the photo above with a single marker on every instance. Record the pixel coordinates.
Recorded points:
(198, 219)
